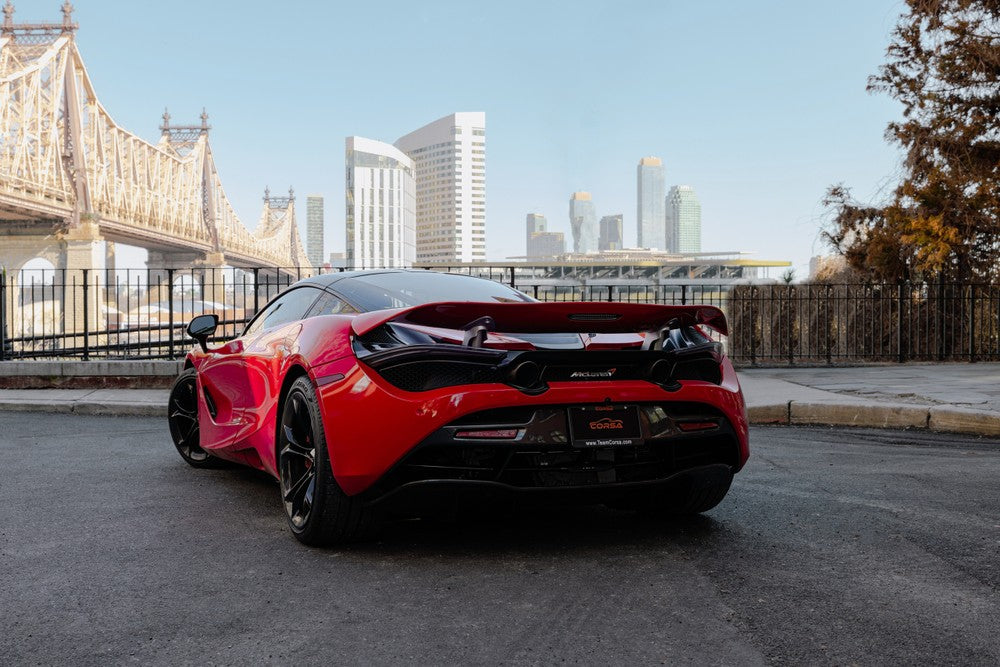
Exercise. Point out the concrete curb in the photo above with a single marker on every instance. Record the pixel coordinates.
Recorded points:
(97, 374)
(944, 419)
(104, 408)
(96, 368)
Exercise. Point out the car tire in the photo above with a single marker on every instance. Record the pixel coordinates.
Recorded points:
(318, 511)
(691, 493)
(182, 416)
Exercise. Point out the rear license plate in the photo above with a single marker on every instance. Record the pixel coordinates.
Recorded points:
(604, 425)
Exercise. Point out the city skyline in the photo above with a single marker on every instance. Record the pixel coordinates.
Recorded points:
(828, 131)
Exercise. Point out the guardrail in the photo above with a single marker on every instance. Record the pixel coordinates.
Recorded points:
(141, 314)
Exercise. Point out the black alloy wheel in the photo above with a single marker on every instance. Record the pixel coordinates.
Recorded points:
(319, 513)
(182, 415)
(297, 460)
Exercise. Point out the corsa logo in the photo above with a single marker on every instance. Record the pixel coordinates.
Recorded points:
(593, 374)
(606, 424)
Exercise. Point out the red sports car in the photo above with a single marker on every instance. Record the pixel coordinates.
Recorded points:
(368, 394)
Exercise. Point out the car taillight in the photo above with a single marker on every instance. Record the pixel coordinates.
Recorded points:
(697, 426)
(488, 434)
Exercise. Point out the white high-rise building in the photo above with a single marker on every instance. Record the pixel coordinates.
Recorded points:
(683, 219)
(449, 157)
(314, 229)
(381, 222)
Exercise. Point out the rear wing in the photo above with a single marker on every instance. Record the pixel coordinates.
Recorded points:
(542, 317)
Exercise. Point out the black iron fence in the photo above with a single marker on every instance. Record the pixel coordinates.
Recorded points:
(142, 314)
(126, 314)
(863, 323)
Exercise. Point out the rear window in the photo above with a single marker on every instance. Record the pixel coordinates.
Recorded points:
(413, 288)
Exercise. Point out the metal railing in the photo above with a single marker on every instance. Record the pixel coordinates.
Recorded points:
(863, 323)
(126, 314)
(142, 314)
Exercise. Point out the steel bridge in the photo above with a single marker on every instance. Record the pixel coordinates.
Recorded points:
(73, 182)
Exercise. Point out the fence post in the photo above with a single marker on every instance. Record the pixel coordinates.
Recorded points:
(939, 320)
(899, 323)
(829, 326)
(791, 328)
(684, 295)
(170, 307)
(256, 290)
(511, 278)
(86, 314)
(3, 314)
(972, 323)
(753, 327)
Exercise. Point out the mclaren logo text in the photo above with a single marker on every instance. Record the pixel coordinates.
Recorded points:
(606, 423)
(593, 374)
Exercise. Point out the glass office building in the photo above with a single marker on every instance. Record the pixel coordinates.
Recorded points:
(583, 222)
(611, 233)
(314, 229)
(650, 190)
(684, 219)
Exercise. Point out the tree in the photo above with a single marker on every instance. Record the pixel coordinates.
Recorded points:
(943, 219)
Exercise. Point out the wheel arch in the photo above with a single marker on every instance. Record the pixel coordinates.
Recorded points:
(295, 372)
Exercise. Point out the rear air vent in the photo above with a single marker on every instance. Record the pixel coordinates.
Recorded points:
(427, 375)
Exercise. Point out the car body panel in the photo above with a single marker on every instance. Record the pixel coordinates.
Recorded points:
(370, 424)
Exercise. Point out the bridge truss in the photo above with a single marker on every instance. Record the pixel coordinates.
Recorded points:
(65, 160)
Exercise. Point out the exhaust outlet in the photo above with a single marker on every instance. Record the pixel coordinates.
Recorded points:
(526, 375)
(661, 372)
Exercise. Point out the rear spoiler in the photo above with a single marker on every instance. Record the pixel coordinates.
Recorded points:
(536, 317)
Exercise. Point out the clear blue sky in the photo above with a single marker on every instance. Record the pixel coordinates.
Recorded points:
(760, 106)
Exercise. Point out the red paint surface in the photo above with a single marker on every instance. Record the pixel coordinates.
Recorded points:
(370, 424)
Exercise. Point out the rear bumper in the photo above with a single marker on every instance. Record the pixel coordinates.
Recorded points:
(434, 496)
(371, 426)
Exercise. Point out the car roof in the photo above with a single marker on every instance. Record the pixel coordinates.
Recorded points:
(328, 279)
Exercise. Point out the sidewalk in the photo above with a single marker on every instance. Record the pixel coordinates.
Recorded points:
(958, 398)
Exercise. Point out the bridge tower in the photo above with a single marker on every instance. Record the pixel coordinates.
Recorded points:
(73, 182)
(68, 237)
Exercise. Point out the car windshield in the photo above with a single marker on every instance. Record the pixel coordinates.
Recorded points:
(411, 288)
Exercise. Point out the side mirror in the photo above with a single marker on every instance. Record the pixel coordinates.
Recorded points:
(201, 327)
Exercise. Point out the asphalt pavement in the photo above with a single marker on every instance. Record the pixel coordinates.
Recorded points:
(945, 397)
(834, 546)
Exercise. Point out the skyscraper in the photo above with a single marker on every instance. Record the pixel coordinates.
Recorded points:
(449, 157)
(534, 223)
(583, 222)
(314, 229)
(611, 233)
(684, 219)
(539, 242)
(649, 217)
(381, 224)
